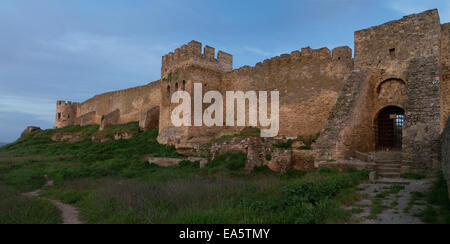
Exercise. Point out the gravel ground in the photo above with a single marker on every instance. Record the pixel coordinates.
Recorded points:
(395, 207)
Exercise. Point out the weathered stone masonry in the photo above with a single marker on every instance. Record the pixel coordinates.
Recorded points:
(396, 64)
(308, 81)
(130, 103)
(403, 64)
(445, 72)
(66, 113)
(445, 141)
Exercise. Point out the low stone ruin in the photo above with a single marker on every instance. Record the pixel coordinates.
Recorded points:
(30, 129)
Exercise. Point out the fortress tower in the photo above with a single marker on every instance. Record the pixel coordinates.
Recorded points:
(191, 55)
(392, 95)
(180, 70)
(395, 95)
(66, 113)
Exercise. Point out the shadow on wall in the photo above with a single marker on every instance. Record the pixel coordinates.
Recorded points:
(445, 142)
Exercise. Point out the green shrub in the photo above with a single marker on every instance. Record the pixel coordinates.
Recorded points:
(439, 192)
(309, 202)
(438, 196)
(313, 192)
(268, 157)
(310, 139)
(112, 183)
(230, 160)
(244, 133)
(327, 170)
(18, 209)
(262, 170)
(413, 176)
(188, 164)
(115, 158)
(88, 129)
(224, 138)
(117, 129)
(305, 148)
(284, 145)
(294, 174)
(28, 178)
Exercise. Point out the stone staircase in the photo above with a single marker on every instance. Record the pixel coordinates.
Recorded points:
(388, 164)
(388, 168)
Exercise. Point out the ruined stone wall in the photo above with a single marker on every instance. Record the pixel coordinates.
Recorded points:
(110, 119)
(445, 141)
(131, 103)
(149, 119)
(308, 81)
(400, 60)
(445, 73)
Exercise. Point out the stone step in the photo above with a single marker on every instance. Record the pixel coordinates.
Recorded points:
(388, 158)
(388, 170)
(391, 181)
(396, 166)
(388, 175)
(387, 155)
(391, 161)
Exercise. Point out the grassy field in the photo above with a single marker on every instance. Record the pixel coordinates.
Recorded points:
(112, 183)
(15, 208)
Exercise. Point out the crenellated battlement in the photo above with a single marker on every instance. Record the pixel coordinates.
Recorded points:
(191, 54)
(344, 53)
(323, 54)
(66, 113)
(62, 103)
(401, 69)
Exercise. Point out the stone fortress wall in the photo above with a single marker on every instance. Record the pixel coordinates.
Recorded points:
(130, 103)
(396, 64)
(445, 73)
(309, 82)
(445, 142)
(403, 63)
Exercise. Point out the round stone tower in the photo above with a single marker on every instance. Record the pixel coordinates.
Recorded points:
(66, 113)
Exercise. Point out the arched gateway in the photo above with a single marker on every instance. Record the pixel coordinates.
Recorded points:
(389, 128)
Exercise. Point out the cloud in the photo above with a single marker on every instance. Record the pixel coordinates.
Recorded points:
(122, 53)
(39, 108)
(13, 123)
(18, 112)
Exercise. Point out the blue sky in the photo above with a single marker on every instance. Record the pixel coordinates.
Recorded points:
(73, 49)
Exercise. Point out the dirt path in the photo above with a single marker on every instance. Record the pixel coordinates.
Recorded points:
(70, 214)
(391, 204)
